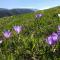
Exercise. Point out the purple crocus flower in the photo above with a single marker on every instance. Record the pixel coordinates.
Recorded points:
(55, 36)
(52, 39)
(17, 29)
(7, 33)
(49, 40)
(38, 15)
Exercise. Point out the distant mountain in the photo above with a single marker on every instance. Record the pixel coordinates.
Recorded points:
(7, 12)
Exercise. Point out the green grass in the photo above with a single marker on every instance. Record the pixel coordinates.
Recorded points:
(30, 44)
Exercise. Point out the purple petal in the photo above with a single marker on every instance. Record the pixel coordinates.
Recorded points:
(54, 36)
(49, 40)
(38, 15)
(17, 28)
(7, 34)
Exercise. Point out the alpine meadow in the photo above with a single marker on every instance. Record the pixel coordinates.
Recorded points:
(31, 36)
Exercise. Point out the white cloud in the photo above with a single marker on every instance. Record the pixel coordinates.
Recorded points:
(47, 7)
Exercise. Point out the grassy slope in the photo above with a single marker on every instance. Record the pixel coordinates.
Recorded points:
(30, 44)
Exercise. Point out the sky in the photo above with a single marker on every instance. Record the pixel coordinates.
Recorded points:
(33, 4)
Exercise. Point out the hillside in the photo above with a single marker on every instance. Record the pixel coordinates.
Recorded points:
(30, 43)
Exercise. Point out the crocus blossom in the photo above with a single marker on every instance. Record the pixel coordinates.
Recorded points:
(38, 15)
(55, 36)
(7, 33)
(49, 40)
(17, 29)
(52, 39)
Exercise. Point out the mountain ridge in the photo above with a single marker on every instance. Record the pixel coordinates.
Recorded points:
(9, 12)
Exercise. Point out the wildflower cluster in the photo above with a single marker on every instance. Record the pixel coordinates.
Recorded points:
(8, 33)
(54, 37)
(51, 39)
